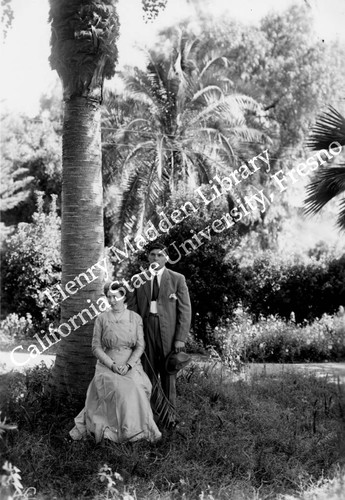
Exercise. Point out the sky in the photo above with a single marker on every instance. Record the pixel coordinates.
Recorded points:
(24, 56)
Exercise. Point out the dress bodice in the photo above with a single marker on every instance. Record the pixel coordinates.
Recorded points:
(117, 334)
(120, 340)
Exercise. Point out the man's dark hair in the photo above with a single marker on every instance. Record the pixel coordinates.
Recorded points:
(156, 246)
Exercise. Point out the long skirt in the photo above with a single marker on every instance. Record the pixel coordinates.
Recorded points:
(117, 407)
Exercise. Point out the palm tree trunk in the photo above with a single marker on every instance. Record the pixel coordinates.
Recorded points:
(82, 242)
(84, 53)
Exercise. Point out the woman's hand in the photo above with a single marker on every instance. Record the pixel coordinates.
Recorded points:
(122, 370)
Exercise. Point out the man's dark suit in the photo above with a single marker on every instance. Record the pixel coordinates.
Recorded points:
(171, 323)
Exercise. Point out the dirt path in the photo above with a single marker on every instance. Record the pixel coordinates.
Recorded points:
(332, 370)
(21, 361)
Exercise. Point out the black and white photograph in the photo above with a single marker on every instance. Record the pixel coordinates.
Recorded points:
(172, 250)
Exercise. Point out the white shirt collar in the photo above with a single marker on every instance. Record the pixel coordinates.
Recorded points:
(159, 272)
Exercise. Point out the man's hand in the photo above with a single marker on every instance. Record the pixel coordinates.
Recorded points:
(179, 345)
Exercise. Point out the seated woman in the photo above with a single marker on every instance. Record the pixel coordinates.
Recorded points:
(117, 405)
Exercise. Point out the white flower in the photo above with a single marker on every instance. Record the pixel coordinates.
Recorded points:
(173, 296)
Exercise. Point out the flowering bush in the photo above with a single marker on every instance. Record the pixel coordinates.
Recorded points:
(14, 326)
(272, 339)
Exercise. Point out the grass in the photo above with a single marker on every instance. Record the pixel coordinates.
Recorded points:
(271, 437)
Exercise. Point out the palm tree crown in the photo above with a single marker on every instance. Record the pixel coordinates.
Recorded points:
(188, 126)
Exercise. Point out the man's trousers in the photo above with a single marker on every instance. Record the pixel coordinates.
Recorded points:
(155, 354)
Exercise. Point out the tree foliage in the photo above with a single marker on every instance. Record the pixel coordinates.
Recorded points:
(31, 263)
(151, 8)
(188, 124)
(7, 16)
(282, 64)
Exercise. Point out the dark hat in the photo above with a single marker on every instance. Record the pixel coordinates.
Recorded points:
(176, 361)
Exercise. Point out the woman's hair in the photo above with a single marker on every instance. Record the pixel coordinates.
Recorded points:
(112, 286)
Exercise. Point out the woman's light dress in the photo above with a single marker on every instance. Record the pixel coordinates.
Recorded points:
(117, 407)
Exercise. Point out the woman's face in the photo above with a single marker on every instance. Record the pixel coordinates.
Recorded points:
(116, 299)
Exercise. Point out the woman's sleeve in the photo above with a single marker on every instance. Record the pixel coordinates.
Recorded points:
(140, 343)
(97, 349)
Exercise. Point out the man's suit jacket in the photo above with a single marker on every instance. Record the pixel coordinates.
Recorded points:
(173, 306)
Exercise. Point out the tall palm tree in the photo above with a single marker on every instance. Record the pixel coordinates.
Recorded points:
(84, 53)
(188, 125)
(329, 181)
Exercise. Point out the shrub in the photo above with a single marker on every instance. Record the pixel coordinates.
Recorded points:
(272, 339)
(30, 264)
(280, 288)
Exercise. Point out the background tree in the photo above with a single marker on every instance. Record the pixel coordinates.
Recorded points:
(84, 53)
(31, 154)
(281, 64)
(188, 124)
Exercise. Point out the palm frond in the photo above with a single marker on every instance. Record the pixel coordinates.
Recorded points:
(130, 202)
(327, 184)
(245, 102)
(229, 108)
(248, 135)
(160, 155)
(341, 215)
(141, 192)
(202, 165)
(222, 142)
(139, 148)
(329, 127)
(208, 89)
(137, 121)
(212, 61)
(164, 411)
(138, 86)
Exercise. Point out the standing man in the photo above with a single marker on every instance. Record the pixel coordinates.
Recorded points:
(163, 303)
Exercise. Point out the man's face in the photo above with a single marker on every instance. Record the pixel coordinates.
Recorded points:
(159, 257)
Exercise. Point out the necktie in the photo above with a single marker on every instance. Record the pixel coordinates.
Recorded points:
(155, 289)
